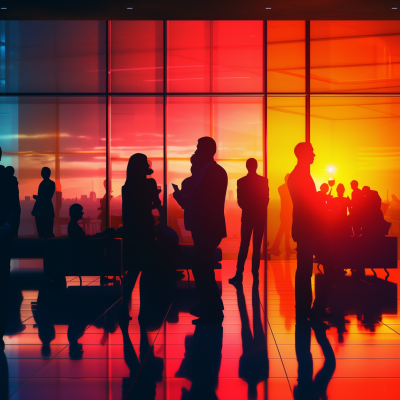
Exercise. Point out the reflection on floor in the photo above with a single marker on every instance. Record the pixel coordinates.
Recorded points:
(69, 344)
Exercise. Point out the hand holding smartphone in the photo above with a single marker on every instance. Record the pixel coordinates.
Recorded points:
(176, 188)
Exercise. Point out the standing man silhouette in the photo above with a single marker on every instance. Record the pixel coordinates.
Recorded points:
(253, 198)
(10, 212)
(304, 228)
(206, 203)
(43, 210)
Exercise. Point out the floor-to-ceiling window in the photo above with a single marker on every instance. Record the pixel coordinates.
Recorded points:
(82, 96)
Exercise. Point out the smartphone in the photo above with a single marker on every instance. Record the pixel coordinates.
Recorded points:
(176, 188)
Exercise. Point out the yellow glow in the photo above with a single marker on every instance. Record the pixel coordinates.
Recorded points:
(331, 169)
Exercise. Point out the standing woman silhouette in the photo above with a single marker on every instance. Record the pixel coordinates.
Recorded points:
(139, 198)
(43, 210)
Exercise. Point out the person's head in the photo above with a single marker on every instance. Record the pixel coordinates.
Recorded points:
(76, 212)
(45, 173)
(324, 188)
(138, 167)
(354, 185)
(206, 149)
(340, 189)
(304, 153)
(365, 190)
(287, 178)
(251, 165)
(10, 170)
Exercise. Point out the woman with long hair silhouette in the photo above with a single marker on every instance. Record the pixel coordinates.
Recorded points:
(139, 198)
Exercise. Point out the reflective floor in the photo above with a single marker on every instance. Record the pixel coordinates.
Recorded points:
(68, 344)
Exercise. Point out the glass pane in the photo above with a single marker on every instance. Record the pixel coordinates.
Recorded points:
(136, 127)
(286, 128)
(55, 56)
(358, 136)
(237, 56)
(188, 56)
(137, 56)
(236, 125)
(286, 56)
(234, 65)
(68, 136)
(355, 56)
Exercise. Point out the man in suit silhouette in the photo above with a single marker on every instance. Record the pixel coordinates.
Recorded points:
(253, 198)
(10, 211)
(205, 201)
(305, 230)
(43, 209)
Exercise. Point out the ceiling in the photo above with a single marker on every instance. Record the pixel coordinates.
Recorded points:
(201, 9)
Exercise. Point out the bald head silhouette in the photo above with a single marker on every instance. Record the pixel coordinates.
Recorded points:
(304, 153)
(252, 165)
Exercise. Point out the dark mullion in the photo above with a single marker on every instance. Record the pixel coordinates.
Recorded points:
(108, 130)
(308, 77)
(165, 196)
(265, 155)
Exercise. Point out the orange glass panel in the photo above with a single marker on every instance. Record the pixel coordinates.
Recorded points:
(234, 64)
(355, 56)
(237, 56)
(236, 125)
(136, 127)
(188, 56)
(359, 137)
(137, 56)
(286, 56)
(285, 123)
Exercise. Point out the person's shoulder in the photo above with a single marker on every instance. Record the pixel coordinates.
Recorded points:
(217, 169)
(242, 180)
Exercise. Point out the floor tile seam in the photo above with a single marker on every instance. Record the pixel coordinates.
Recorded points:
(277, 347)
(398, 333)
(51, 359)
(126, 395)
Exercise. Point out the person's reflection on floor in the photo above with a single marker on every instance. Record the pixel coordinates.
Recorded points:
(3, 376)
(307, 387)
(144, 371)
(202, 362)
(253, 364)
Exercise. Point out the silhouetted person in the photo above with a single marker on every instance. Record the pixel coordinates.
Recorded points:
(253, 199)
(140, 196)
(43, 210)
(253, 363)
(374, 225)
(306, 231)
(206, 203)
(339, 221)
(309, 388)
(103, 208)
(355, 208)
(286, 221)
(10, 212)
(76, 232)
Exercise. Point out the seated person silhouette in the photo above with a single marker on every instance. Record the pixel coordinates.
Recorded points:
(75, 231)
(43, 210)
(339, 226)
(253, 198)
(373, 223)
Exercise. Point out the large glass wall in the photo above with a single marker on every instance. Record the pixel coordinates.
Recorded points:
(82, 96)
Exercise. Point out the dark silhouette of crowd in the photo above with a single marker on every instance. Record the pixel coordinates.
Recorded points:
(320, 223)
